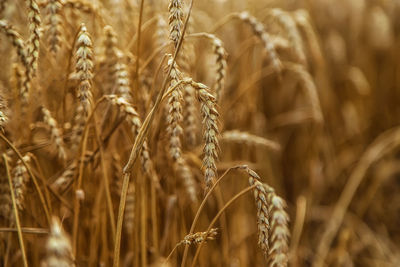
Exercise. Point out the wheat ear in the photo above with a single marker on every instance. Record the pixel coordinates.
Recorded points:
(272, 221)
(20, 178)
(134, 119)
(54, 24)
(259, 30)
(83, 71)
(174, 114)
(5, 196)
(289, 24)
(55, 133)
(58, 247)
(250, 139)
(34, 37)
(16, 40)
(84, 68)
(3, 109)
(279, 232)
(175, 20)
(199, 237)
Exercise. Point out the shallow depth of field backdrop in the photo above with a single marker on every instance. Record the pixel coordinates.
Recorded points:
(199, 133)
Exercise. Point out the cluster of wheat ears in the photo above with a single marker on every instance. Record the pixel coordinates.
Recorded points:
(142, 132)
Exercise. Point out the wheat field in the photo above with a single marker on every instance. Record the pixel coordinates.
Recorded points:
(199, 133)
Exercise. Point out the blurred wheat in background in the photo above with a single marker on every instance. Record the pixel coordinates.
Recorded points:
(199, 133)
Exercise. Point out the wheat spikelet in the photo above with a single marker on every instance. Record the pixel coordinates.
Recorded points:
(20, 178)
(279, 232)
(244, 137)
(34, 37)
(259, 30)
(199, 237)
(58, 247)
(55, 133)
(54, 25)
(84, 68)
(175, 20)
